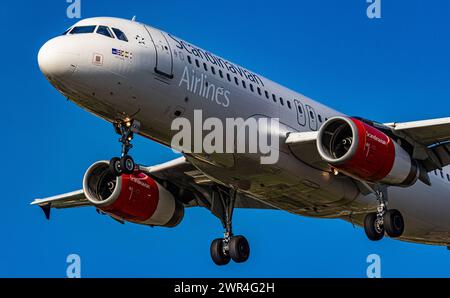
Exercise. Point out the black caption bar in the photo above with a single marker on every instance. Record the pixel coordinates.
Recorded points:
(199, 287)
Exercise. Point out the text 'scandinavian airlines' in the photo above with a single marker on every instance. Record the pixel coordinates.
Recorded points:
(392, 179)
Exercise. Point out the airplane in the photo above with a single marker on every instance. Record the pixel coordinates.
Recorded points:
(392, 179)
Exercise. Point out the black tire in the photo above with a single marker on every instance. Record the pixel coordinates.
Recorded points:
(114, 166)
(373, 229)
(127, 164)
(239, 249)
(394, 223)
(217, 254)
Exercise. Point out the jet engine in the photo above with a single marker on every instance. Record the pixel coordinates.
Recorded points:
(362, 151)
(135, 197)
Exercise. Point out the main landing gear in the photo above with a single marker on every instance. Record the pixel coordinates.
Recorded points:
(229, 247)
(383, 221)
(125, 164)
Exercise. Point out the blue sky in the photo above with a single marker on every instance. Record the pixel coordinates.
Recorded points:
(393, 69)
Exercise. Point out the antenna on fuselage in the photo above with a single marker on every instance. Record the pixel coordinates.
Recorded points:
(133, 19)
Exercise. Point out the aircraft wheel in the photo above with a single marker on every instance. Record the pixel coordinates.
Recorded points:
(217, 253)
(394, 223)
(374, 227)
(127, 164)
(115, 167)
(239, 249)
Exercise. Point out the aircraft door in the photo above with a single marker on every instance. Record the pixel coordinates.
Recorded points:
(301, 113)
(312, 117)
(164, 59)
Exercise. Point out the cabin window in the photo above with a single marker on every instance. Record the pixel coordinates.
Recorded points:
(221, 73)
(197, 63)
(120, 35)
(320, 118)
(205, 66)
(213, 70)
(103, 30)
(274, 98)
(442, 174)
(289, 104)
(189, 59)
(244, 84)
(282, 101)
(448, 177)
(251, 88)
(228, 77)
(83, 30)
(259, 91)
(236, 81)
(267, 94)
(311, 114)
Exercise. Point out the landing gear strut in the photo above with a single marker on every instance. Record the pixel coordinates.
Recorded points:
(125, 164)
(229, 247)
(383, 221)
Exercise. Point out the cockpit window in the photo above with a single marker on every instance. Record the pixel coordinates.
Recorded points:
(119, 34)
(83, 29)
(103, 30)
(67, 31)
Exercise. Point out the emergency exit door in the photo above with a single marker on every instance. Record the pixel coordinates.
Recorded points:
(164, 59)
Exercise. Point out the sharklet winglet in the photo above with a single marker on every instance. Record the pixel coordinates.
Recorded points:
(47, 210)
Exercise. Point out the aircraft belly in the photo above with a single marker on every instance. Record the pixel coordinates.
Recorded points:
(426, 211)
(297, 188)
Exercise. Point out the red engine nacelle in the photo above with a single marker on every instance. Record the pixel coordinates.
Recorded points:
(360, 150)
(135, 198)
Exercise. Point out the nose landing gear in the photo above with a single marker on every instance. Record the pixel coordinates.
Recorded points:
(229, 247)
(125, 164)
(383, 221)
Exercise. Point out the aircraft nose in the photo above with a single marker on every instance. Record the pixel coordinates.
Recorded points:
(57, 58)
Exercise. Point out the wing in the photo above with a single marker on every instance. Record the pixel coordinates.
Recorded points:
(193, 187)
(304, 146)
(427, 132)
(68, 200)
(180, 177)
(430, 138)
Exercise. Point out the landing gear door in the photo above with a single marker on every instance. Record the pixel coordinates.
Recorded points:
(164, 59)
(312, 117)
(301, 113)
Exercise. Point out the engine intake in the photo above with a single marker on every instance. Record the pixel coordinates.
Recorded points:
(136, 197)
(360, 150)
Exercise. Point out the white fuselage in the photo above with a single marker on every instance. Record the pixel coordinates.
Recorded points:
(155, 77)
